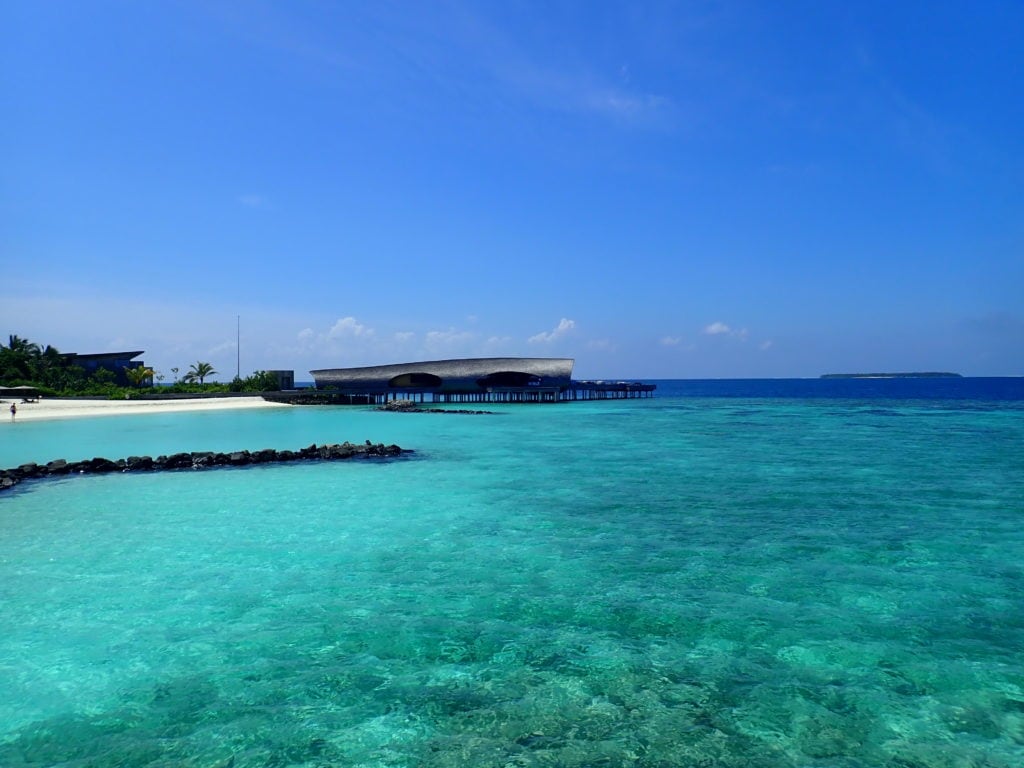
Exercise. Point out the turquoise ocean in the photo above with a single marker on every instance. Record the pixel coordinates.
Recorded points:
(773, 574)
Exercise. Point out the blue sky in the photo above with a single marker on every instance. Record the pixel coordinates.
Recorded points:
(692, 189)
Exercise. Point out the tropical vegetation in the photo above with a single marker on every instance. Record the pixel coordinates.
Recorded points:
(53, 373)
(140, 376)
(199, 371)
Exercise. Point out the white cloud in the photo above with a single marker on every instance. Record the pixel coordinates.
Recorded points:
(564, 326)
(352, 342)
(497, 342)
(677, 343)
(349, 327)
(766, 345)
(605, 345)
(618, 103)
(719, 328)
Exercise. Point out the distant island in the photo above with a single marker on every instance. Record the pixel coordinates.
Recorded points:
(910, 375)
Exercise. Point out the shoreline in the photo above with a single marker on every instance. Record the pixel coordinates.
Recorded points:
(60, 408)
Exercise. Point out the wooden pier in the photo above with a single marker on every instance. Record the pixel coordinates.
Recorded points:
(575, 391)
(608, 390)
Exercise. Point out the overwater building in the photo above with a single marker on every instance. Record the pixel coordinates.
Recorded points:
(471, 380)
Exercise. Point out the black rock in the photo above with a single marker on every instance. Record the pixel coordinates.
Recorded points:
(138, 463)
(99, 465)
(178, 461)
(201, 460)
(57, 467)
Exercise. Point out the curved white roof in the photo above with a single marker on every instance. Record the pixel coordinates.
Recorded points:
(464, 375)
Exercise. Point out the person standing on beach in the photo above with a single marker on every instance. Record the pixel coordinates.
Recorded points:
(14, 410)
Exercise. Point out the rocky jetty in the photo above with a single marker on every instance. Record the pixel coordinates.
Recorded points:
(198, 460)
(408, 406)
(316, 397)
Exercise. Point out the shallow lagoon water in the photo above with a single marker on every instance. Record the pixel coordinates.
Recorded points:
(668, 582)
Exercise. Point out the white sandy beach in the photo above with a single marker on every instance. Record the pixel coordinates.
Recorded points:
(56, 408)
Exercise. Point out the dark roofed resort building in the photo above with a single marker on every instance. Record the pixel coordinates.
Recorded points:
(471, 380)
(115, 362)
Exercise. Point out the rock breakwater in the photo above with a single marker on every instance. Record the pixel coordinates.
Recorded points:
(408, 406)
(196, 460)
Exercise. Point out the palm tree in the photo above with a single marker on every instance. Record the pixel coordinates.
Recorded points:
(23, 346)
(19, 359)
(199, 371)
(139, 376)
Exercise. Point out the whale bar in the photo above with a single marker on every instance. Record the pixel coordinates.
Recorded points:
(470, 380)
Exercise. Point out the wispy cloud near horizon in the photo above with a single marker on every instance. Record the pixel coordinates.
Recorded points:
(347, 327)
(719, 328)
(565, 325)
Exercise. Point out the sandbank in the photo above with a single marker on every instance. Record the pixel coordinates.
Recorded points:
(59, 408)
